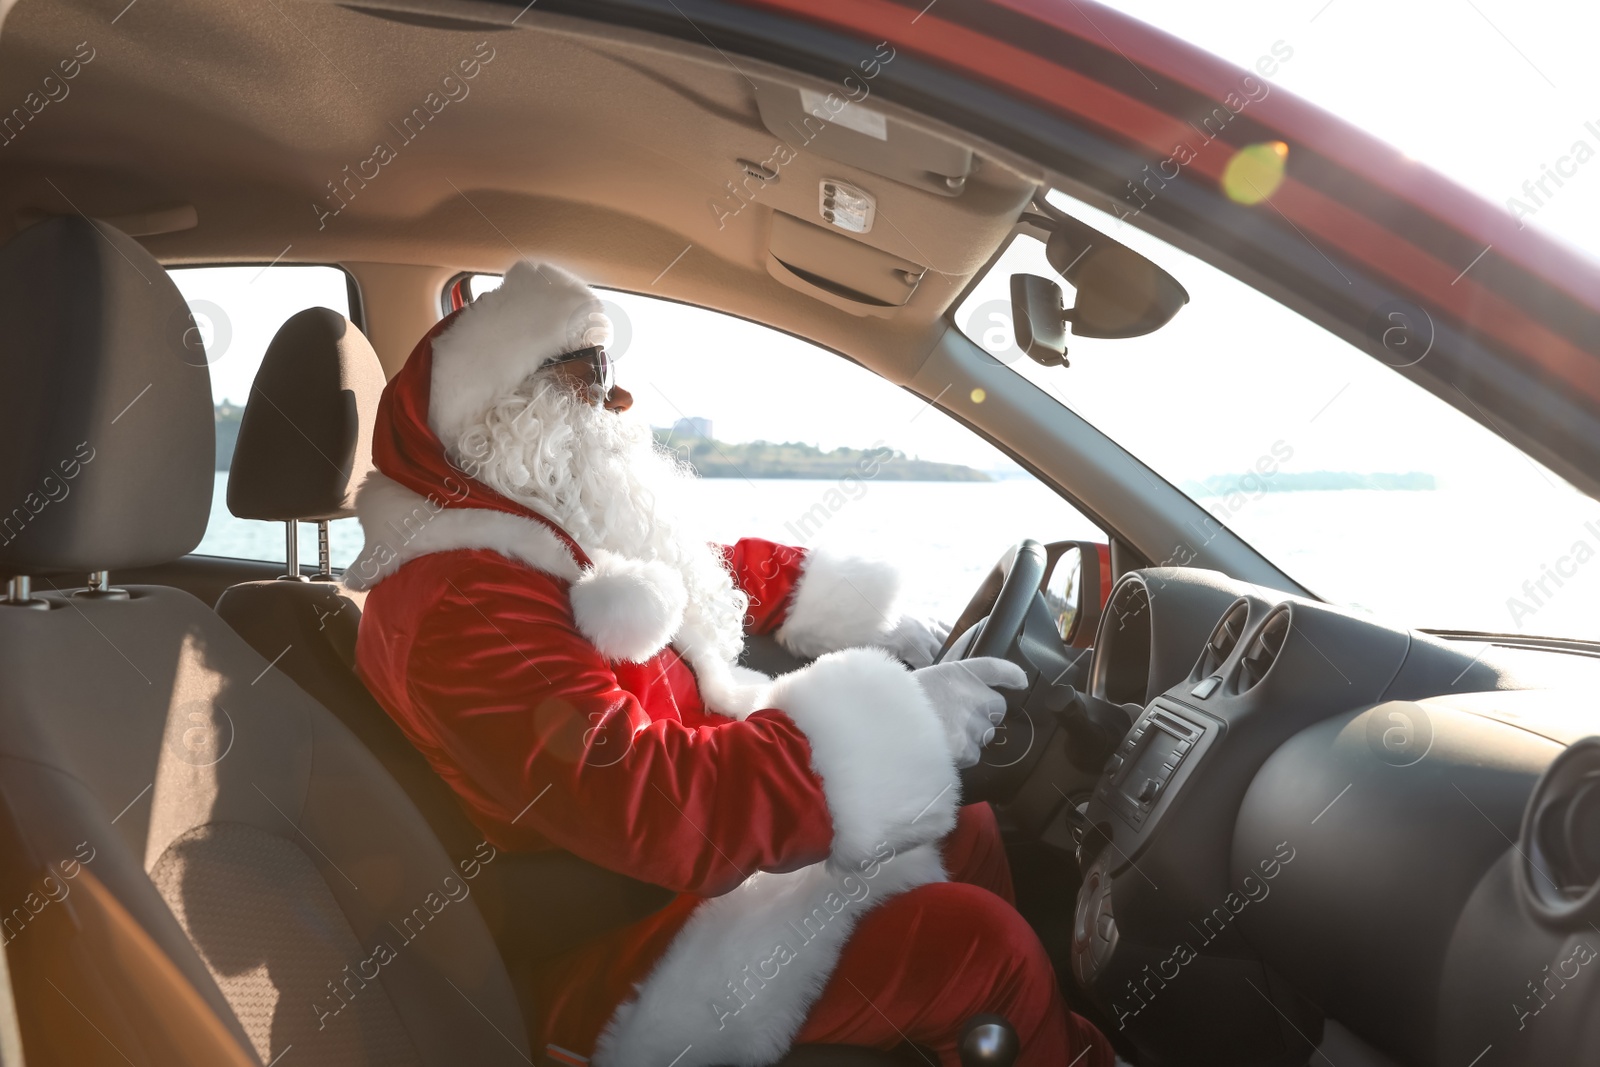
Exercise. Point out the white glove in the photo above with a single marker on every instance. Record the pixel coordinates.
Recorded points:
(916, 641)
(968, 708)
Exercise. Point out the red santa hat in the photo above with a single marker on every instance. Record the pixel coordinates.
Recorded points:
(539, 312)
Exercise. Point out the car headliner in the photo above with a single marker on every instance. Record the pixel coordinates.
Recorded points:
(603, 145)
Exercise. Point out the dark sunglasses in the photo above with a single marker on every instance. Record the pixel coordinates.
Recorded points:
(600, 363)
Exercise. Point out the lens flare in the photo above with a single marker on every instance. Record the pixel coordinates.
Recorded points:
(1255, 172)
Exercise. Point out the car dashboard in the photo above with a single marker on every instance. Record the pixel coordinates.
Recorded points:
(1317, 822)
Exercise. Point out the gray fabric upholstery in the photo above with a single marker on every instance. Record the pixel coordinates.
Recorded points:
(274, 938)
(305, 441)
(106, 448)
(129, 725)
(309, 628)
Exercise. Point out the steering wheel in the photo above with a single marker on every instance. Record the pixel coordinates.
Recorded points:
(1005, 762)
(1000, 629)
(1031, 717)
(997, 611)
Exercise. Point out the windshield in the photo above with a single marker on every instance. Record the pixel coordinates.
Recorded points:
(1363, 487)
(1499, 96)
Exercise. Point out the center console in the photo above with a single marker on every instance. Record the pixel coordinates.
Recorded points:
(1155, 942)
(1145, 767)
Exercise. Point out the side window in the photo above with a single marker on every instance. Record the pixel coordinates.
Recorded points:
(236, 311)
(794, 444)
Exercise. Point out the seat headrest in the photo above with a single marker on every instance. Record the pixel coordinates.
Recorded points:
(108, 440)
(305, 441)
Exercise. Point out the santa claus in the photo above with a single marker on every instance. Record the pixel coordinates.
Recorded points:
(548, 628)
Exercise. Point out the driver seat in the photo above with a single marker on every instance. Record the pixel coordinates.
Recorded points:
(209, 867)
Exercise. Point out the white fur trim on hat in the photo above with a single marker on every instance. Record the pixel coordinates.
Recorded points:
(539, 312)
(839, 602)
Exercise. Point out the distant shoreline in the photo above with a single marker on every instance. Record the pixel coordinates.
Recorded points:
(795, 461)
(1307, 481)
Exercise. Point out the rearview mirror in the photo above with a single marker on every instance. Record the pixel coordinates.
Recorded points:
(1038, 319)
(1120, 292)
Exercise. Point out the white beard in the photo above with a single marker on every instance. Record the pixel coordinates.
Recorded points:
(601, 477)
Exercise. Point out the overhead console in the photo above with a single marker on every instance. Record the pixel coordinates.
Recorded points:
(840, 172)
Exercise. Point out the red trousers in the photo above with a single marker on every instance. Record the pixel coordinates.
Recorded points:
(921, 964)
(916, 968)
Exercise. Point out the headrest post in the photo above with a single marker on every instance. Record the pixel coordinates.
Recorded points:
(292, 551)
(324, 554)
(19, 594)
(99, 588)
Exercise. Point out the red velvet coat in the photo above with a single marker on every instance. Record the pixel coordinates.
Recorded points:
(480, 661)
(564, 697)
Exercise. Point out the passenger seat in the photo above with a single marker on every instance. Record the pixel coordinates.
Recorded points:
(213, 868)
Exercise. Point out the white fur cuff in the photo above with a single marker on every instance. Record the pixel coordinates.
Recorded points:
(840, 602)
(878, 747)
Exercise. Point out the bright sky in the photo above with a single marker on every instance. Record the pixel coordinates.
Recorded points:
(238, 309)
(1488, 92)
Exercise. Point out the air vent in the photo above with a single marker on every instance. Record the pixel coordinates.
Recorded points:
(1559, 854)
(1262, 652)
(1223, 640)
